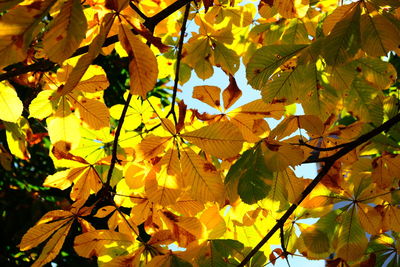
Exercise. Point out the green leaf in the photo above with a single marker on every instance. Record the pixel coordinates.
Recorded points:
(220, 253)
(364, 101)
(378, 34)
(352, 241)
(295, 33)
(378, 73)
(266, 60)
(253, 176)
(344, 40)
(224, 57)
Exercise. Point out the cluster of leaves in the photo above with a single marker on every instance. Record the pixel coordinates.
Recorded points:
(143, 172)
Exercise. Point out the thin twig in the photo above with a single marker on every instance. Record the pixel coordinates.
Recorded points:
(115, 142)
(178, 62)
(302, 143)
(329, 162)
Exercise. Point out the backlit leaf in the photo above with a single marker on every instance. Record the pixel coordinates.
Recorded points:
(201, 177)
(11, 105)
(221, 139)
(254, 178)
(143, 66)
(266, 60)
(66, 32)
(208, 94)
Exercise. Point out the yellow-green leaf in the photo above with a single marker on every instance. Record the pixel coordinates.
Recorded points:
(11, 105)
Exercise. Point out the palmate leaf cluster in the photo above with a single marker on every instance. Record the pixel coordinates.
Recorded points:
(128, 172)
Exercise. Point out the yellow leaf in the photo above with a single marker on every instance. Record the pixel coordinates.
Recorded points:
(393, 214)
(41, 107)
(11, 105)
(104, 211)
(316, 241)
(150, 147)
(53, 246)
(16, 138)
(208, 94)
(84, 62)
(64, 129)
(258, 109)
(86, 183)
(214, 222)
(66, 33)
(138, 112)
(168, 126)
(201, 177)
(143, 66)
(93, 80)
(292, 8)
(352, 241)
(279, 155)
(184, 229)
(312, 124)
(40, 232)
(59, 180)
(220, 139)
(92, 112)
(162, 188)
(370, 219)
(135, 174)
(225, 58)
(385, 169)
(100, 242)
(17, 28)
(247, 127)
(188, 206)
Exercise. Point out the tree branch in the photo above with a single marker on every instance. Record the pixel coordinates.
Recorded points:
(329, 161)
(115, 142)
(178, 62)
(46, 65)
(152, 22)
(137, 10)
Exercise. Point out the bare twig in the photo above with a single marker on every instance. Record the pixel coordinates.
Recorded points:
(178, 62)
(302, 143)
(115, 142)
(328, 161)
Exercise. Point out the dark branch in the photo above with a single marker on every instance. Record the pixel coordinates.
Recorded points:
(137, 10)
(152, 22)
(43, 65)
(302, 143)
(115, 142)
(178, 62)
(329, 161)
(47, 65)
